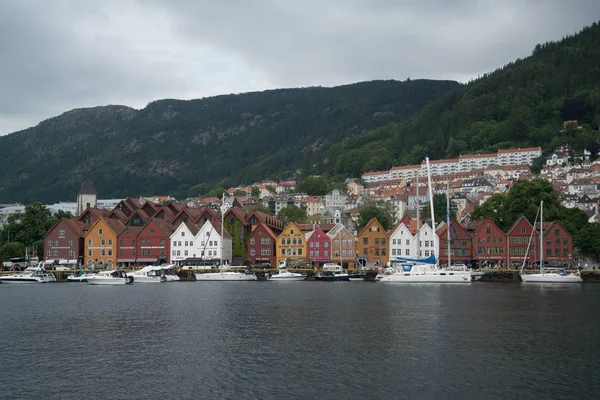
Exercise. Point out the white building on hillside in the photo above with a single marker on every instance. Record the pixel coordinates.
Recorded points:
(476, 161)
(518, 156)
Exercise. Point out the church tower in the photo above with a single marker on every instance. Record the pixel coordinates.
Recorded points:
(86, 197)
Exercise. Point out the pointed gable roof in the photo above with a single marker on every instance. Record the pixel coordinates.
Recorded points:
(517, 222)
(92, 214)
(239, 214)
(369, 224)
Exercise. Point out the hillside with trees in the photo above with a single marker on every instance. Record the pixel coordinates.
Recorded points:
(520, 105)
(186, 148)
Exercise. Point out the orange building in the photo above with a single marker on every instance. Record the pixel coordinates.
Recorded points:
(100, 242)
(373, 243)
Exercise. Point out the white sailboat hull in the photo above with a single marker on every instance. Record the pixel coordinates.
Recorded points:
(550, 277)
(224, 276)
(435, 277)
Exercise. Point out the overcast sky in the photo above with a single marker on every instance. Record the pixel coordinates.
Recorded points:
(64, 54)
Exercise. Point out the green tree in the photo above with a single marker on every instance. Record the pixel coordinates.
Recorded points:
(292, 213)
(524, 199)
(239, 193)
(30, 225)
(313, 186)
(259, 207)
(255, 191)
(218, 192)
(493, 208)
(537, 164)
(12, 249)
(440, 210)
(588, 240)
(382, 210)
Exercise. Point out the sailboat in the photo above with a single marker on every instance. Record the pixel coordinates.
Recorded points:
(226, 272)
(426, 270)
(546, 274)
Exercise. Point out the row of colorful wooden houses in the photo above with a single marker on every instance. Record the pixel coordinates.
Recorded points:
(142, 232)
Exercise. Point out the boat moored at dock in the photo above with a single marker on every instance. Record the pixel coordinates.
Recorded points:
(36, 274)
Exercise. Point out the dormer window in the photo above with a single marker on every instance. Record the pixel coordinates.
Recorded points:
(100, 231)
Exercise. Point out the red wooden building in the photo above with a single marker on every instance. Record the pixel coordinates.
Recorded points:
(318, 246)
(261, 245)
(489, 243)
(64, 241)
(461, 248)
(153, 242)
(558, 244)
(519, 237)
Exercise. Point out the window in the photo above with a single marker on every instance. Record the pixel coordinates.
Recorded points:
(556, 232)
(149, 242)
(377, 241)
(317, 253)
(102, 252)
(283, 252)
(488, 230)
(252, 252)
(407, 252)
(407, 242)
(565, 241)
(49, 242)
(49, 253)
(294, 241)
(300, 241)
(299, 252)
(185, 252)
(71, 253)
(317, 245)
(103, 242)
(162, 242)
(56, 242)
(291, 232)
(383, 241)
(100, 231)
(252, 241)
(120, 253)
(110, 242)
(173, 253)
(90, 252)
(522, 230)
(110, 252)
(182, 234)
(133, 252)
(55, 253)
(393, 241)
(326, 245)
(151, 230)
(365, 251)
(393, 252)
(61, 232)
(366, 240)
(383, 252)
(143, 242)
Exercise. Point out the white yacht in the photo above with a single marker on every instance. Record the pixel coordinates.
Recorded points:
(79, 277)
(419, 271)
(110, 277)
(546, 274)
(283, 275)
(149, 274)
(35, 274)
(169, 271)
(224, 275)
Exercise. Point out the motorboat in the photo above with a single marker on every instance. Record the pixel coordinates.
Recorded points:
(81, 277)
(423, 271)
(149, 274)
(170, 272)
(283, 275)
(34, 274)
(331, 273)
(225, 274)
(110, 277)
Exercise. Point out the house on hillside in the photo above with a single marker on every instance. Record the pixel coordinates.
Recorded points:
(372, 243)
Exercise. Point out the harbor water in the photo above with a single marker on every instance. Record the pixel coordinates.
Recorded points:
(299, 340)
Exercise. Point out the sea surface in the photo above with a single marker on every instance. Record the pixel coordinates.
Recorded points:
(299, 340)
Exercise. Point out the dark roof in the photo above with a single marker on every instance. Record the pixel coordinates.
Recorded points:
(87, 187)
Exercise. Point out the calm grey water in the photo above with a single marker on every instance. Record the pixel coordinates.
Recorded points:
(299, 340)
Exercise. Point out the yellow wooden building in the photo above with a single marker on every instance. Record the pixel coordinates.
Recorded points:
(291, 243)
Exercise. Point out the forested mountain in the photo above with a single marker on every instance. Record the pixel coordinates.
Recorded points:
(522, 104)
(183, 147)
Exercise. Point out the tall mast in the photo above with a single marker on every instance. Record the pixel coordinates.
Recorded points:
(430, 197)
(222, 226)
(418, 220)
(448, 220)
(542, 236)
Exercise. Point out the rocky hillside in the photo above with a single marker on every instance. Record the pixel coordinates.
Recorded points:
(172, 145)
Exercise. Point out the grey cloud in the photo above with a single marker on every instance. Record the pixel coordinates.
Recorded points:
(58, 56)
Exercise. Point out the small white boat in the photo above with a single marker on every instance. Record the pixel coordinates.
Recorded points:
(169, 272)
(80, 277)
(283, 275)
(110, 277)
(224, 275)
(423, 271)
(149, 274)
(35, 274)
